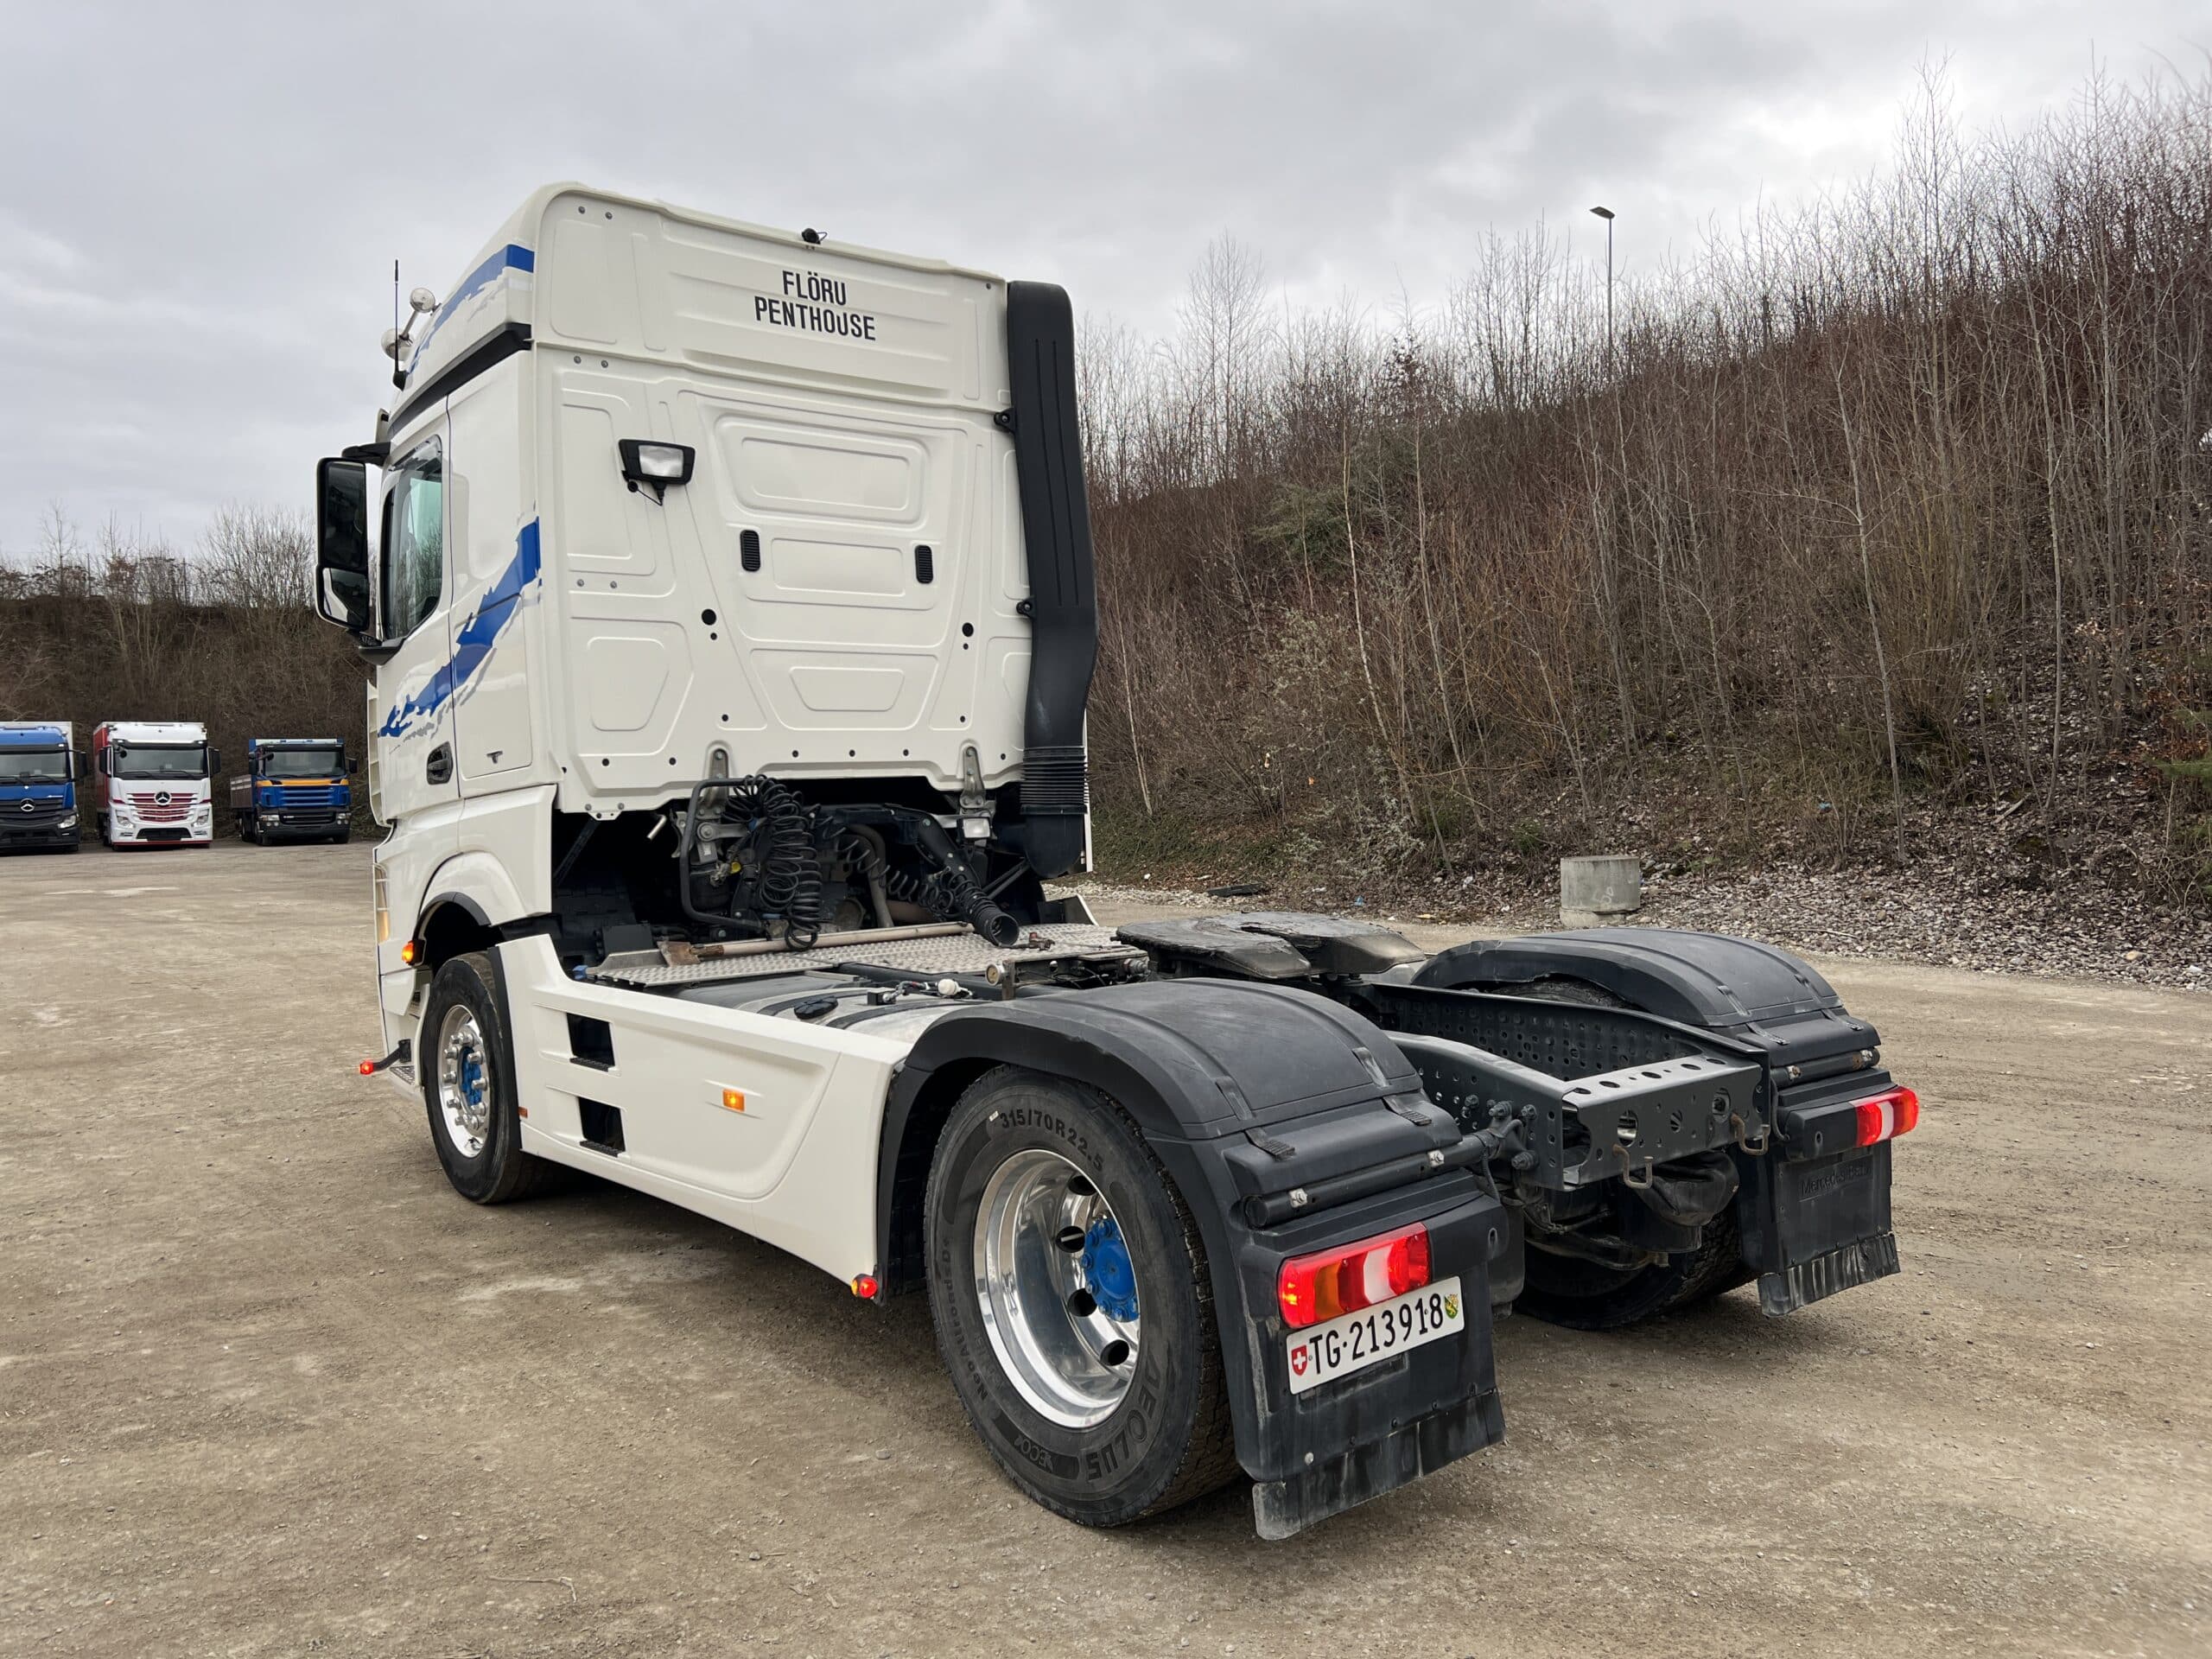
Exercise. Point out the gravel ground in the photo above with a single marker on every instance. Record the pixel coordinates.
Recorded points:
(1943, 917)
(268, 1387)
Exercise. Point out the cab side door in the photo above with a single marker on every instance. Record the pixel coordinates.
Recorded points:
(414, 787)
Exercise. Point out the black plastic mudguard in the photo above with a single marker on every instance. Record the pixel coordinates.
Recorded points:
(1245, 1091)
(1814, 1216)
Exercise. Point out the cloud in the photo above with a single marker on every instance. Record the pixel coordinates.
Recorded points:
(198, 218)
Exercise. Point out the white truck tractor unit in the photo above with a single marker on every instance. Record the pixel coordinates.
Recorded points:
(152, 782)
(729, 596)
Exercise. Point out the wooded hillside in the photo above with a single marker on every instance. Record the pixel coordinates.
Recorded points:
(1879, 513)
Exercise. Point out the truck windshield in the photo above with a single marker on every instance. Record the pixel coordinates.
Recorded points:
(300, 763)
(159, 761)
(34, 766)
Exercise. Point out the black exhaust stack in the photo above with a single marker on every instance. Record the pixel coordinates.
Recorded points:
(1063, 585)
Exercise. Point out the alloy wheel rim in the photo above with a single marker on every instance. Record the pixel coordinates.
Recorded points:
(1056, 1288)
(464, 1081)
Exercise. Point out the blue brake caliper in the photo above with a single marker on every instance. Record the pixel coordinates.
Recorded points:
(1108, 1272)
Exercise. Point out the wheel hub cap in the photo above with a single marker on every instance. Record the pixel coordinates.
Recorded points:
(1107, 1273)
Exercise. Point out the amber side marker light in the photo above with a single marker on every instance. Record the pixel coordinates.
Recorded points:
(410, 953)
(733, 1100)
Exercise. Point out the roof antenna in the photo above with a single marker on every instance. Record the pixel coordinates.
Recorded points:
(398, 374)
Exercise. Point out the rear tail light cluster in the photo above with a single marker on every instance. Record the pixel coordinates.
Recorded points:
(1313, 1289)
(1887, 1115)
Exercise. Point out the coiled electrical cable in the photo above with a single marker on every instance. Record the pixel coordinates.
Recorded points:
(787, 878)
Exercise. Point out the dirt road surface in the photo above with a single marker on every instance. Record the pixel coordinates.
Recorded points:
(269, 1387)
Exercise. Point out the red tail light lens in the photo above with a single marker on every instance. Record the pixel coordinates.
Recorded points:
(1887, 1115)
(1313, 1289)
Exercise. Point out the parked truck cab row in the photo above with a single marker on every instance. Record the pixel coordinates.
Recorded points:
(152, 786)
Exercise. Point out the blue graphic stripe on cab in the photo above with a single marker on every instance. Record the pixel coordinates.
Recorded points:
(513, 256)
(474, 643)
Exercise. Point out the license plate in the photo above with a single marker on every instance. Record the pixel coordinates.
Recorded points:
(1374, 1334)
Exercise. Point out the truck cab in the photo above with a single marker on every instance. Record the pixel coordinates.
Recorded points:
(731, 617)
(39, 770)
(152, 782)
(294, 789)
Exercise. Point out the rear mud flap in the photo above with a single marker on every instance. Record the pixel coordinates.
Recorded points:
(1812, 1227)
(1282, 1508)
(1316, 1454)
(1859, 1262)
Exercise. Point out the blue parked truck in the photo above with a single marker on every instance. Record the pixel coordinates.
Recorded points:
(294, 789)
(39, 770)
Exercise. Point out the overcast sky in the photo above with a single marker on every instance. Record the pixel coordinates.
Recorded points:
(200, 204)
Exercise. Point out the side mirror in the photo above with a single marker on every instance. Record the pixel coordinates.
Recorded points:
(214, 761)
(84, 765)
(342, 543)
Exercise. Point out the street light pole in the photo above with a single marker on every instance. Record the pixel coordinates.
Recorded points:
(1607, 213)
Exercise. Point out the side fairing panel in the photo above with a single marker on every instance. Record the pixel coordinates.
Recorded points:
(795, 1166)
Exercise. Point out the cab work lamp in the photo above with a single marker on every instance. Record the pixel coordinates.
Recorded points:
(647, 462)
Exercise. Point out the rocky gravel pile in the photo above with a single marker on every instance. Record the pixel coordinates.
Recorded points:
(1942, 916)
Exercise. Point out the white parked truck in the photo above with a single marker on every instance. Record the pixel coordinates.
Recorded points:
(152, 782)
(730, 599)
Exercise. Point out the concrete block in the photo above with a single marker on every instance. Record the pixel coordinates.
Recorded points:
(1597, 891)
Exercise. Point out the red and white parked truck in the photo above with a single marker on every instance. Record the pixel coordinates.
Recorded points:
(732, 622)
(152, 782)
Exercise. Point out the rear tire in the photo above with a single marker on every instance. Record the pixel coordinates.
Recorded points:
(1042, 1192)
(1586, 1296)
(466, 1063)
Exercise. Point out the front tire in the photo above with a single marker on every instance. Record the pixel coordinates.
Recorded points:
(1072, 1307)
(465, 1062)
